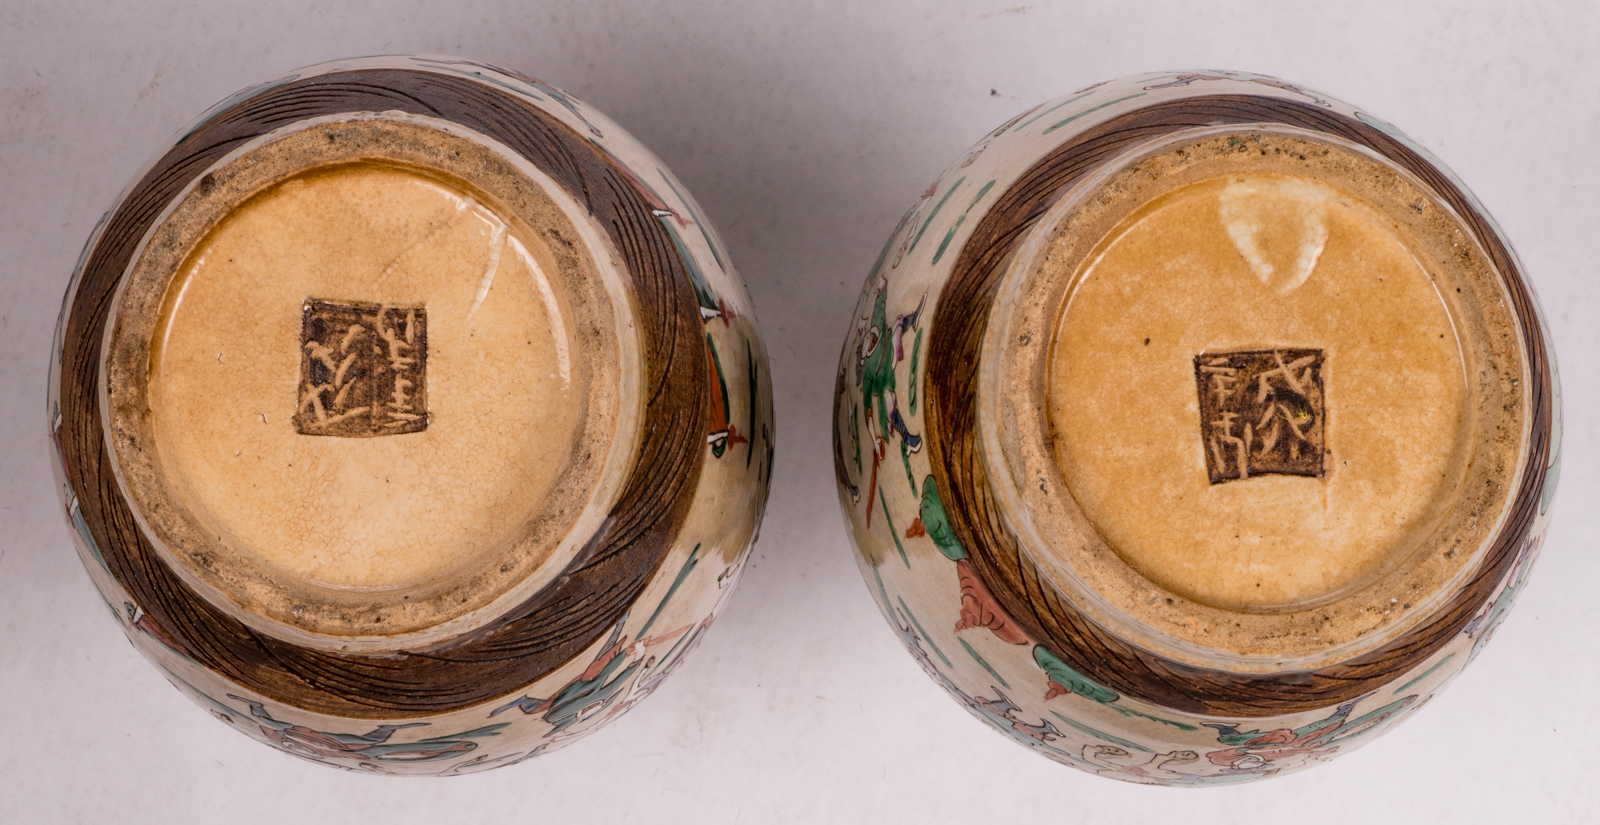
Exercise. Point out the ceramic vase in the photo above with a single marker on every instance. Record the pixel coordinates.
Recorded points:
(410, 416)
(1196, 428)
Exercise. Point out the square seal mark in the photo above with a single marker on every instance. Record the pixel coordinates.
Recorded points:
(1261, 412)
(363, 369)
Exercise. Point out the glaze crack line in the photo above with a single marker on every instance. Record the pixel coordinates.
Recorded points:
(552, 307)
(497, 243)
(463, 206)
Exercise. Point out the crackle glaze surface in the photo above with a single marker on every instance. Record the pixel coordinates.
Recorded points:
(625, 659)
(924, 576)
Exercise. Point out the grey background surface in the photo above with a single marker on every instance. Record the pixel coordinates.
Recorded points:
(804, 129)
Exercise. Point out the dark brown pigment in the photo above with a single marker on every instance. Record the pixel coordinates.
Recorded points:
(363, 370)
(1261, 412)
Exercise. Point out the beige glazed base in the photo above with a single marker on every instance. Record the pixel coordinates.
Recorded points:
(1125, 417)
(379, 400)
(1182, 515)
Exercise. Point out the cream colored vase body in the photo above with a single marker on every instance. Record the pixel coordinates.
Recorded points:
(1196, 428)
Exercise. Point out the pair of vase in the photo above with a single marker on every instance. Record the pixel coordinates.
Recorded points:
(1191, 428)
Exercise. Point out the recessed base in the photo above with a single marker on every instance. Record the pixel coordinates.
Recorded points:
(366, 382)
(1276, 375)
(1258, 394)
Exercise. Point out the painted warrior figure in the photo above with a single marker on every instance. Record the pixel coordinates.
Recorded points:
(881, 348)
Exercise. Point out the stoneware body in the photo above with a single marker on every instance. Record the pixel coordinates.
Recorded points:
(410, 417)
(1196, 428)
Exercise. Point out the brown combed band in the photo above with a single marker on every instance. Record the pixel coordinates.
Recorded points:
(608, 574)
(959, 325)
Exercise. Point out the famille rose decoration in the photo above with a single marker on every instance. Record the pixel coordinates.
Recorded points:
(1196, 428)
(410, 416)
